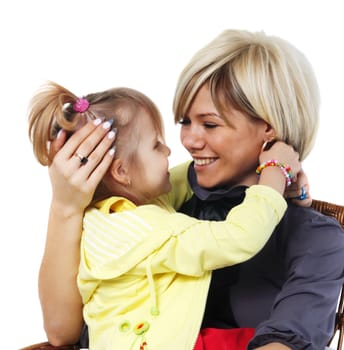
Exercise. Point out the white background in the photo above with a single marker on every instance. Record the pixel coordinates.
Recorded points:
(88, 46)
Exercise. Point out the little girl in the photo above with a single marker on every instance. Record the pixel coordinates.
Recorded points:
(145, 269)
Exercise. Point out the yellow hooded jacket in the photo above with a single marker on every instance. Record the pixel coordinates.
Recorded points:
(145, 270)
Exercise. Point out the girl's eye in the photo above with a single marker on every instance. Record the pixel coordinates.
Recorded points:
(158, 145)
(184, 121)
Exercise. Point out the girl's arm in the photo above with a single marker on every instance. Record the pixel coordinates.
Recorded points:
(73, 186)
(181, 191)
(181, 243)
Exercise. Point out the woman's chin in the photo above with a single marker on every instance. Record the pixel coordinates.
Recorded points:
(206, 182)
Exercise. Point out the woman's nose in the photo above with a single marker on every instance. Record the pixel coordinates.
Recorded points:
(192, 138)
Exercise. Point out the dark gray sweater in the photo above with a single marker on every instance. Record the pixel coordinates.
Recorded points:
(289, 290)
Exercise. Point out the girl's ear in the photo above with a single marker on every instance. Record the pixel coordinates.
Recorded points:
(119, 171)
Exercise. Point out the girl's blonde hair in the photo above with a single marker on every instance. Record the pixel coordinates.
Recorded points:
(51, 109)
(263, 76)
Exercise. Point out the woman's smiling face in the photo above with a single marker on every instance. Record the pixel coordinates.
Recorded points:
(225, 148)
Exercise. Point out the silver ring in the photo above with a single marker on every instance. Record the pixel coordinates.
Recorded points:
(83, 160)
(303, 194)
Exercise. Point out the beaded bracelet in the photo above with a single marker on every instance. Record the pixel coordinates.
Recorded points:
(286, 170)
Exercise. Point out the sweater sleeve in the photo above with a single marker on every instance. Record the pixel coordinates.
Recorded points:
(303, 312)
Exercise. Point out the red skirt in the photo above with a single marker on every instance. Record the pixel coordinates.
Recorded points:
(224, 339)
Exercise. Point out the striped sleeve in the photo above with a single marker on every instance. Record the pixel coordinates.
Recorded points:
(110, 236)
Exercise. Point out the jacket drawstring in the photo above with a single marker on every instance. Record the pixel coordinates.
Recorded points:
(142, 327)
(154, 301)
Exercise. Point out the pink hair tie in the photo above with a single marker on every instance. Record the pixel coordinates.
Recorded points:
(81, 105)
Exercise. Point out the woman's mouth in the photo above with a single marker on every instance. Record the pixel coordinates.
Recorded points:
(204, 161)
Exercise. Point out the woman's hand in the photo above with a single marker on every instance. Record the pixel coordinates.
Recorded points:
(297, 189)
(74, 183)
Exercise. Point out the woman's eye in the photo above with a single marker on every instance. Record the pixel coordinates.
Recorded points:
(210, 125)
(184, 121)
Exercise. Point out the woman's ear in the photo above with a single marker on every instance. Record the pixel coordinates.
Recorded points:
(270, 133)
(268, 137)
(119, 172)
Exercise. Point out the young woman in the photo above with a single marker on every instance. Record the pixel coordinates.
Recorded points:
(288, 292)
(139, 259)
(240, 91)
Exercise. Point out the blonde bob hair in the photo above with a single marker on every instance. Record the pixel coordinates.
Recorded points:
(263, 76)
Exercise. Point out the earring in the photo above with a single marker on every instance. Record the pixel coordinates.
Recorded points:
(267, 144)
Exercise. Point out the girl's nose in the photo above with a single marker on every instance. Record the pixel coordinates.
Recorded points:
(167, 150)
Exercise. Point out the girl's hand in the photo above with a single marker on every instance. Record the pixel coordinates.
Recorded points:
(298, 191)
(74, 182)
(283, 153)
(272, 169)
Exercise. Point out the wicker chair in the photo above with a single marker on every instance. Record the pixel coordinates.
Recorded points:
(330, 209)
(47, 346)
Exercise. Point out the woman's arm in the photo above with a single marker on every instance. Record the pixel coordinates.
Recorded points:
(311, 249)
(60, 299)
(73, 186)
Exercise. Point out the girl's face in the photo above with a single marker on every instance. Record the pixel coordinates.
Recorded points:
(150, 176)
(225, 149)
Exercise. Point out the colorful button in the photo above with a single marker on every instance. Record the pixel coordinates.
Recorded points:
(124, 326)
(141, 328)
